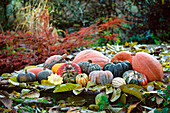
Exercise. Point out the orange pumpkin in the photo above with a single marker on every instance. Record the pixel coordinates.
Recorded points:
(95, 56)
(82, 79)
(56, 66)
(123, 55)
(147, 65)
(101, 77)
(36, 70)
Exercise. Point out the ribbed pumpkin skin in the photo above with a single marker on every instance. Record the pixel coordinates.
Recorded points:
(82, 79)
(101, 77)
(147, 65)
(134, 77)
(53, 60)
(124, 55)
(118, 81)
(56, 66)
(95, 56)
(26, 77)
(87, 67)
(118, 68)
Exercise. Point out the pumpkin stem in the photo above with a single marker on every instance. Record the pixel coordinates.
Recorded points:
(90, 61)
(25, 71)
(64, 56)
(44, 68)
(115, 61)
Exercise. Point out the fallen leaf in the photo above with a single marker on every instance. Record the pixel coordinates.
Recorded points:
(159, 100)
(116, 94)
(132, 106)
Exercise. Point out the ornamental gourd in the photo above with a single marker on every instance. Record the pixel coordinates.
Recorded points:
(101, 77)
(95, 56)
(43, 75)
(118, 81)
(69, 71)
(87, 67)
(134, 77)
(82, 79)
(26, 77)
(147, 65)
(53, 60)
(117, 67)
(122, 56)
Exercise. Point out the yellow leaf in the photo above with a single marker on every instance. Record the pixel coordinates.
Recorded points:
(133, 43)
(126, 44)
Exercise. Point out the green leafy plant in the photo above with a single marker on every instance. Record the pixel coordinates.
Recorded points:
(103, 102)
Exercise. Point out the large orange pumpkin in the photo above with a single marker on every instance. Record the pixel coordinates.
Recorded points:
(123, 55)
(95, 56)
(147, 65)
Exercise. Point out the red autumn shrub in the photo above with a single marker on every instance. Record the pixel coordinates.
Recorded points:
(35, 46)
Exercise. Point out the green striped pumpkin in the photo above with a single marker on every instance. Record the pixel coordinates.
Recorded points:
(134, 77)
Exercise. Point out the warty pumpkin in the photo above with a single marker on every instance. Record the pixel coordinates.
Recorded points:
(87, 67)
(147, 65)
(117, 67)
(122, 56)
(53, 60)
(82, 79)
(101, 77)
(95, 56)
(69, 71)
(26, 77)
(134, 77)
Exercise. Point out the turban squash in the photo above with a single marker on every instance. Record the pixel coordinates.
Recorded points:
(87, 67)
(101, 77)
(69, 71)
(117, 67)
(147, 65)
(95, 56)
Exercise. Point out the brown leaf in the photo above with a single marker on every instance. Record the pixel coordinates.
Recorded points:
(132, 106)
(73, 110)
(159, 100)
(54, 109)
(5, 99)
